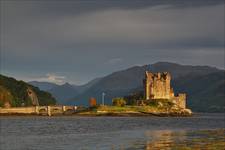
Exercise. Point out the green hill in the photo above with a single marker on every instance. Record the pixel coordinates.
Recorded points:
(14, 93)
(206, 93)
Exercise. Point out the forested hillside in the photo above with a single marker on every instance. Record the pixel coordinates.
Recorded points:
(14, 93)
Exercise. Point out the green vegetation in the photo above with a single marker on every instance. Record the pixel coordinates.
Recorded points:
(160, 103)
(5, 97)
(132, 98)
(131, 109)
(135, 105)
(119, 102)
(137, 98)
(165, 108)
(114, 108)
(15, 93)
(205, 93)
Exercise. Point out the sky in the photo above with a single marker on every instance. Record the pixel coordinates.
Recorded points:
(76, 41)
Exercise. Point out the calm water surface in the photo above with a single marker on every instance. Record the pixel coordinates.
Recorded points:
(102, 133)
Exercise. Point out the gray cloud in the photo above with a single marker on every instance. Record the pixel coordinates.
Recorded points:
(77, 39)
(114, 61)
(52, 78)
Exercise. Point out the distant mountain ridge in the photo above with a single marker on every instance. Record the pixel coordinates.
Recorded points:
(195, 80)
(177, 70)
(43, 85)
(65, 91)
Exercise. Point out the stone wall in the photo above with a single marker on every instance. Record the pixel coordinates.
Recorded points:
(181, 102)
(18, 110)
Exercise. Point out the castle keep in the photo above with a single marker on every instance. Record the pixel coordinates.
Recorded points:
(157, 86)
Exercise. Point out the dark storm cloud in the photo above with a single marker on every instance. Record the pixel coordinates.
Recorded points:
(85, 39)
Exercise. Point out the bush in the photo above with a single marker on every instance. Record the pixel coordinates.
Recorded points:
(152, 103)
(134, 97)
(119, 102)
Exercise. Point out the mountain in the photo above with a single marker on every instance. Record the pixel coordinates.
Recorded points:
(83, 88)
(64, 92)
(205, 92)
(117, 84)
(20, 93)
(177, 70)
(125, 82)
(43, 85)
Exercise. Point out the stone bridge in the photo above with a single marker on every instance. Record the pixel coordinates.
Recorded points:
(50, 110)
(40, 110)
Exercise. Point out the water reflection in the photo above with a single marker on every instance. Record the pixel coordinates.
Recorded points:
(168, 139)
(159, 139)
(117, 133)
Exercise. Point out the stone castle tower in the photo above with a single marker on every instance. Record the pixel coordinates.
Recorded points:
(157, 86)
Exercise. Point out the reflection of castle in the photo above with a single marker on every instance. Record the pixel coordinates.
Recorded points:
(160, 139)
(157, 86)
(165, 139)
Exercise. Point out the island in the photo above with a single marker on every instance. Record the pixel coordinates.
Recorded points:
(159, 100)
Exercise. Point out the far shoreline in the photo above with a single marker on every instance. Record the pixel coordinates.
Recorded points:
(98, 115)
(194, 114)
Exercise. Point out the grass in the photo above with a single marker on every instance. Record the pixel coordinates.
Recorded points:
(128, 109)
(162, 108)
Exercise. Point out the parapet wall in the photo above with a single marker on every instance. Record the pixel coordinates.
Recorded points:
(18, 110)
(43, 110)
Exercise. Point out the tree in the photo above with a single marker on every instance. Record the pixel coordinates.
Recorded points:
(18, 93)
(119, 102)
(5, 97)
(134, 97)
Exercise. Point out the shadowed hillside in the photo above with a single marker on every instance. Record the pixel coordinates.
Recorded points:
(205, 92)
(15, 93)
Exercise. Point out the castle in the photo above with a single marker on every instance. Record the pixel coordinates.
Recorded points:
(157, 87)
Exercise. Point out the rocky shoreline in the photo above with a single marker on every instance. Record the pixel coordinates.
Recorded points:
(184, 113)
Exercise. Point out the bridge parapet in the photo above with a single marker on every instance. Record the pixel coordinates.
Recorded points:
(39, 110)
(69, 108)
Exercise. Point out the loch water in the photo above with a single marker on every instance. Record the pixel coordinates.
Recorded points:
(201, 131)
